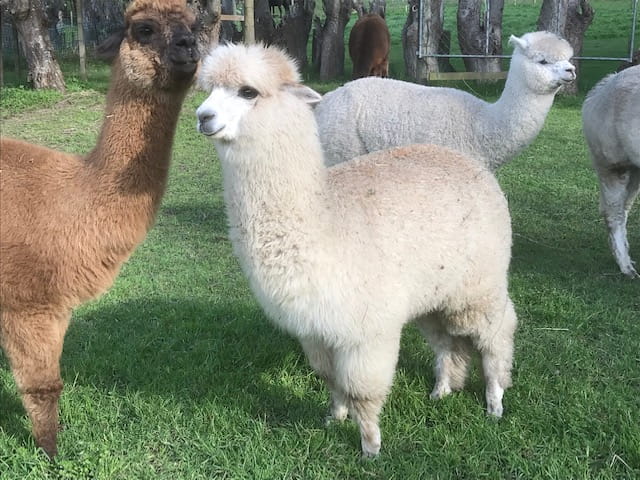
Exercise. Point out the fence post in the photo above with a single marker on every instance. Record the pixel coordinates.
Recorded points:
(249, 24)
(81, 46)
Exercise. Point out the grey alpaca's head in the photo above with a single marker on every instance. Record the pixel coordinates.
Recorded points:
(541, 62)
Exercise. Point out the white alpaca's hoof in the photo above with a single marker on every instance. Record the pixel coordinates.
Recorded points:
(336, 414)
(440, 391)
(370, 449)
(631, 273)
(495, 411)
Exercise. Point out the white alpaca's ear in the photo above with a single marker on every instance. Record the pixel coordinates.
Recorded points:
(304, 93)
(517, 42)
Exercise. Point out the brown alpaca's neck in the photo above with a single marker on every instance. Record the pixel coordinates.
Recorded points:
(126, 173)
(130, 162)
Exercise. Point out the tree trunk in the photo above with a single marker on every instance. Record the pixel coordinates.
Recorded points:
(1, 56)
(415, 67)
(228, 30)
(82, 52)
(208, 12)
(479, 33)
(569, 19)
(330, 39)
(265, 27)
(29, 20)
(293, 32)
(435, 39)
(375, 6)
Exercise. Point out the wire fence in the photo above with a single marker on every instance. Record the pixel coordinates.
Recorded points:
(64, 38)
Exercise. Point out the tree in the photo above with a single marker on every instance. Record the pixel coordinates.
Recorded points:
(375, 6)
(208, 12)
(480, 33)
(328, 47)
(29, 19)
(81, 46)
(569, 19)
(292, 32)
(435, 39)
(263, 22)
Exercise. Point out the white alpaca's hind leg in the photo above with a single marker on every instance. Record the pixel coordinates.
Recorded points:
(618, 190)
(321, 360)
(453, 355)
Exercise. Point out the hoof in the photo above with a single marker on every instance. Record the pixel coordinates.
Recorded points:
(440, 392)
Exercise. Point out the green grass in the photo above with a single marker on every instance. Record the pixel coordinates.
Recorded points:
(176, 373)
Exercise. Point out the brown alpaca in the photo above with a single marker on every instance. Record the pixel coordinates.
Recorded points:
(69, 222)
(369, 43)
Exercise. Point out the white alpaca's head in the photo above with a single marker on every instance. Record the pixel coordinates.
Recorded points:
(249, 86)
(541, 61)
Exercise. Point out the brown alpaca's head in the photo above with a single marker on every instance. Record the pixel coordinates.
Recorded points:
(156, 49)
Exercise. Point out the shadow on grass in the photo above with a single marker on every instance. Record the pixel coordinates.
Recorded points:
(11, 421)
(190, 351)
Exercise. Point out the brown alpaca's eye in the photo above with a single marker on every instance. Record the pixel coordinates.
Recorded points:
(143, 32)
(248, 92)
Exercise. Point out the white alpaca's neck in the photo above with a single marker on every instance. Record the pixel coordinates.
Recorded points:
(273, 182)
(278, 211)
(513, 121)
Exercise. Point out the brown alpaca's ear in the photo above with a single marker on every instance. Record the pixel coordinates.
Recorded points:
(108, 50)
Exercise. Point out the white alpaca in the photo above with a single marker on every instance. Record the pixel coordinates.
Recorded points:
(343, 257)
(372, 114)
(611, 124)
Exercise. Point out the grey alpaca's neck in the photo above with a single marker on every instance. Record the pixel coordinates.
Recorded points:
(514, 121)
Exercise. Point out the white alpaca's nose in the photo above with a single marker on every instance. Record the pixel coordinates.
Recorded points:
(207, 120)
(569, 71)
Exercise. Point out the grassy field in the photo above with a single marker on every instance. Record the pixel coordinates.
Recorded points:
(176, 373)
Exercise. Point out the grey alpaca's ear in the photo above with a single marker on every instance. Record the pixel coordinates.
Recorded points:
(303, 92)
(517, 42)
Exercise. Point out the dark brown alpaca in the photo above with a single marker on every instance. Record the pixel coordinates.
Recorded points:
(69, 222)
(369, 43)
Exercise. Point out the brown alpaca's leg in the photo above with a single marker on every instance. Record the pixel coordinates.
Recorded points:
(33, 344)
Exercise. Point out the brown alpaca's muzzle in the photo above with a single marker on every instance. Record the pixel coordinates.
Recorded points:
(184, 55)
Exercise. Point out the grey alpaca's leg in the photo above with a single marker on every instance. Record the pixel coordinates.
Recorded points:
(33, 344)
(495, 344)
(321, 360)
(618, 190)
(365, 374)
(453, 355)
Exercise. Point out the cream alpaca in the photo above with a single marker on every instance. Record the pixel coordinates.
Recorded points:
(343, 257)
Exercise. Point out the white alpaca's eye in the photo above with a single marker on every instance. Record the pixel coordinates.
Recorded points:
(543, 62)
(247, 92)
